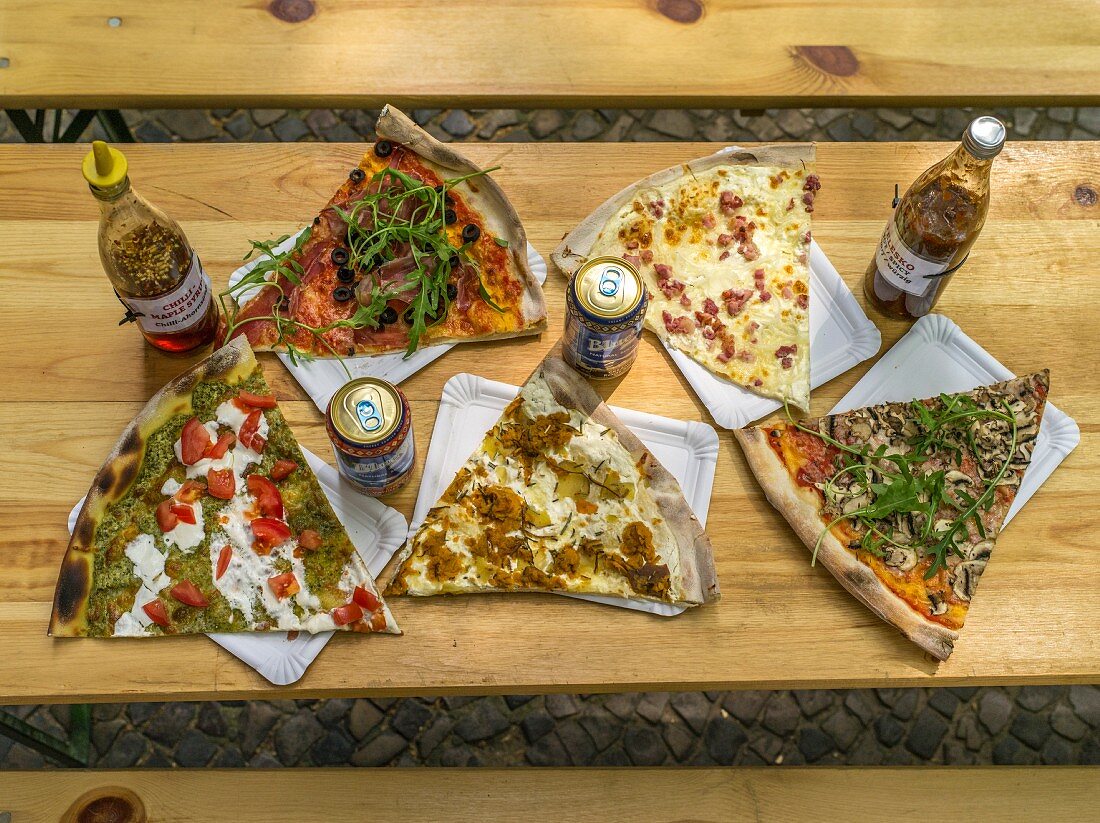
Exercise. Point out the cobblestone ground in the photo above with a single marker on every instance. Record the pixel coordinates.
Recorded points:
(885, 726)
(510, 125)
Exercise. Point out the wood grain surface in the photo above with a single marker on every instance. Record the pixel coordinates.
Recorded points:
(569, 53)
(72, 380)
(1006, 794)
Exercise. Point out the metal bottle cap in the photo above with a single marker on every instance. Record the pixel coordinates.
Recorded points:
(608, 287)
(984, 137)
(365, 411)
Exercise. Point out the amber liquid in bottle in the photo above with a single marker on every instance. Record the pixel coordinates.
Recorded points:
(932, 230)
(154, 271)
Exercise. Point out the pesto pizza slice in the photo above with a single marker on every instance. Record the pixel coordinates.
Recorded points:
(206, 518)
(560, 497)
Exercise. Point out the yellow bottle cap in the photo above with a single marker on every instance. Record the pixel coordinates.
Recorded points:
(104, 167)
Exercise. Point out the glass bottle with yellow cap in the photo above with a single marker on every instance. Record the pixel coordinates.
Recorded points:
(155, 272)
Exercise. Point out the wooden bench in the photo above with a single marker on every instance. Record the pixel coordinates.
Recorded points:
(72, 380)
(566, 53)
(822, 794)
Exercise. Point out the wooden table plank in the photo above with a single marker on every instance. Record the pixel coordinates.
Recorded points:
(1007, 794)
(70, 387)
(572, 53)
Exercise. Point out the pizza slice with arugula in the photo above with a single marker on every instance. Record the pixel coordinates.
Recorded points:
(418, 247)
(206, 518)
(903, 502)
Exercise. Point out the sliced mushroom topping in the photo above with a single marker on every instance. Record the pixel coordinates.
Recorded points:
(936, 604)
(898, 558)
(980, 551)
(854, 503)
(966, 578)
(861, 431)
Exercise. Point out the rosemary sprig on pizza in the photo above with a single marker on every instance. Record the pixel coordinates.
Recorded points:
(903, 502)
(418, 247)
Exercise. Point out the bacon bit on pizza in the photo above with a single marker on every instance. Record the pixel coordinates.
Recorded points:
(813, 183)
(709, 222)
(632, 244)
(783, 355)
(670, 287)
(725, 239)
(663, 270)
(723, 255)
(727, 350)
(728, 202)
(790, 204)
(647, 256)
(803, 301)
(657, 208)
(677, 325)
(633, 260)
(685, 301)
(736, 300)
(758, 278)
(710, 307)
(787, 293)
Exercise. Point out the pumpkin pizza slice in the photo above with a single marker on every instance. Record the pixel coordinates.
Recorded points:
(560, 497)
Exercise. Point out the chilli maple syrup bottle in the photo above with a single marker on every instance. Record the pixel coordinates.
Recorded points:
(934, 225)
(155, 272)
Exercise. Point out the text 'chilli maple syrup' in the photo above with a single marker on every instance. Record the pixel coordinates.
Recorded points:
(155, 272)
(934, 225)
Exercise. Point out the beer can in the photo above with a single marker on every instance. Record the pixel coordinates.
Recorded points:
(605, 309)
(370, 426)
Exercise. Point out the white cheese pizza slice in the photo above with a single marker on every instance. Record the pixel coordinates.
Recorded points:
(722, 244)
(560, 496)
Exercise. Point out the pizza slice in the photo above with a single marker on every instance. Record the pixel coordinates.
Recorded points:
(722, 244)
(903, 502)
(560, 497)
(206, 518)
(418, 247)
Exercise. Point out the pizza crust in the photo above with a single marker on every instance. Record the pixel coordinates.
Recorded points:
(576, 246)
(801, 509)
(233, 361)
(488, 199)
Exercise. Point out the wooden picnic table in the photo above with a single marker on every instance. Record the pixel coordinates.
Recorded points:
(835, 795)
(72, 380)
(553, 53)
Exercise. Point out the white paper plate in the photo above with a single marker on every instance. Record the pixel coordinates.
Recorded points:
(471, 405)
(936, 356)
(322, 377)
(375, 530)
(841, 336)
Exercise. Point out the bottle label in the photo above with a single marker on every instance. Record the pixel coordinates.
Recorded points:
(901, 266)
(179, 309)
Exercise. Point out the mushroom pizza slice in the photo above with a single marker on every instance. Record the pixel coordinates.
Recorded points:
(903, 502)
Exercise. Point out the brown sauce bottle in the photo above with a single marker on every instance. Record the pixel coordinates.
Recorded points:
(934, 225)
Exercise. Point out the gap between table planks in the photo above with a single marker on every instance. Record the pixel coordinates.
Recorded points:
(70, 387)
(550, 53)
(1007, 793)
